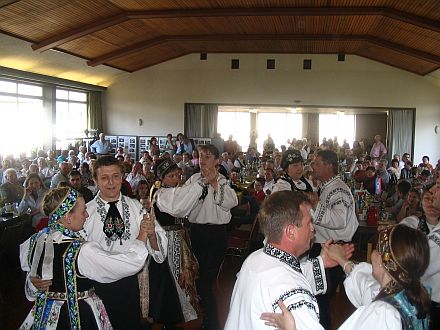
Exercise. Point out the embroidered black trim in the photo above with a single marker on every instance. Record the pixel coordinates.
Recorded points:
(283, 256)
(302, 303)
(434, 236)
(317, 274)
(291, 293)
(346, 199)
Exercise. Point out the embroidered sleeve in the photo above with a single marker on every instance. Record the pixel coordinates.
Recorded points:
(30, 290)
(314, 272)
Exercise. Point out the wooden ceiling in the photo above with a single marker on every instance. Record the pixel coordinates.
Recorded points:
(135, 34)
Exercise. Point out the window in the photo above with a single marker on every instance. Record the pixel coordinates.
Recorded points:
(71, 116)
(236, 124)
(281, 126)
(340, 125)
(22, 114)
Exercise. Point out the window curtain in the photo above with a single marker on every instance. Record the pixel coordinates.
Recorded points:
(94, 111)
(200, 120)
(400, 132)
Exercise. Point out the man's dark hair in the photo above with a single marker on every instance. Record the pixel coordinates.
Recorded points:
(329, 157)
(74, 173)
(404, 187)
(104, 161)
(212, 149)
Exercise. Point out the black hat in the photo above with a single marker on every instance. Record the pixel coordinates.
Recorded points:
(163, 166)
(291, 156)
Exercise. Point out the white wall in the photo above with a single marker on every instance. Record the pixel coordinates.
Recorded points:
(157, 94)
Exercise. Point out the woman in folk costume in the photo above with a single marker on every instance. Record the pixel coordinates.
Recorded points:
(172, 290)
(388, 293)
(62, 265)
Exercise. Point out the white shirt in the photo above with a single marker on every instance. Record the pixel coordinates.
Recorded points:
(334, 216)
(269, 275)
(268, 185)
(413, 222)
(361, 288)
(185, 201)
(132, 214)
(431, 278)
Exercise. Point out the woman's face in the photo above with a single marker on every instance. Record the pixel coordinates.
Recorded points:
(413, 199)
(171, 178)
(295, 170)
(143, 190)
(78, 215)
(34, 184)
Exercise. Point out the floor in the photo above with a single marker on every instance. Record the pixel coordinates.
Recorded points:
(14, 306)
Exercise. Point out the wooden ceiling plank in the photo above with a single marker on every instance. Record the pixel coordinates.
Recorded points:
(313, 11)
(4, 3)
(126, 51)
(79, 32)
(237, 37)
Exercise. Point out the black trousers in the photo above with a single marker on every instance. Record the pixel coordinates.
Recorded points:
(334, 277)
(209, 246)
(121, 300)
(435, 316)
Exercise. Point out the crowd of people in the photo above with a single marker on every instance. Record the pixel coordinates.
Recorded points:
(146, 238)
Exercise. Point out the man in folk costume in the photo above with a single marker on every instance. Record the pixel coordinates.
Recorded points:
(275, 273)
(334, 218)
(113, 221)
(206, 199)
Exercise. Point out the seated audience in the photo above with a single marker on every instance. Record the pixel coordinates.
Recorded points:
(411, 205)
(75, 181)
(425, 165)
(11, 191)
(62, 175)
(427, 221)
(34, 191)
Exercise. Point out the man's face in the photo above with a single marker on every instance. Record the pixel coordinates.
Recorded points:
(435, 190)
(405, 158)
(109, 180)
(12, 177)
(321, 169)
(305, 233)
(75, 181)
(268, 175)
(207, 160)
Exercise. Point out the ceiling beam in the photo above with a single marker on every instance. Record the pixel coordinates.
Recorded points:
(79, 32)
(95, 26)
(237, 37)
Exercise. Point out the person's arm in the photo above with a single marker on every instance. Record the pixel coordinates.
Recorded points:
(179, 201)
(283, 321)
(225, 197)
(105, 266)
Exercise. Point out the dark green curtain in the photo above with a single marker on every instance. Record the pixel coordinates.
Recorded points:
(401, 130)
(94, 111)
(200, 120)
